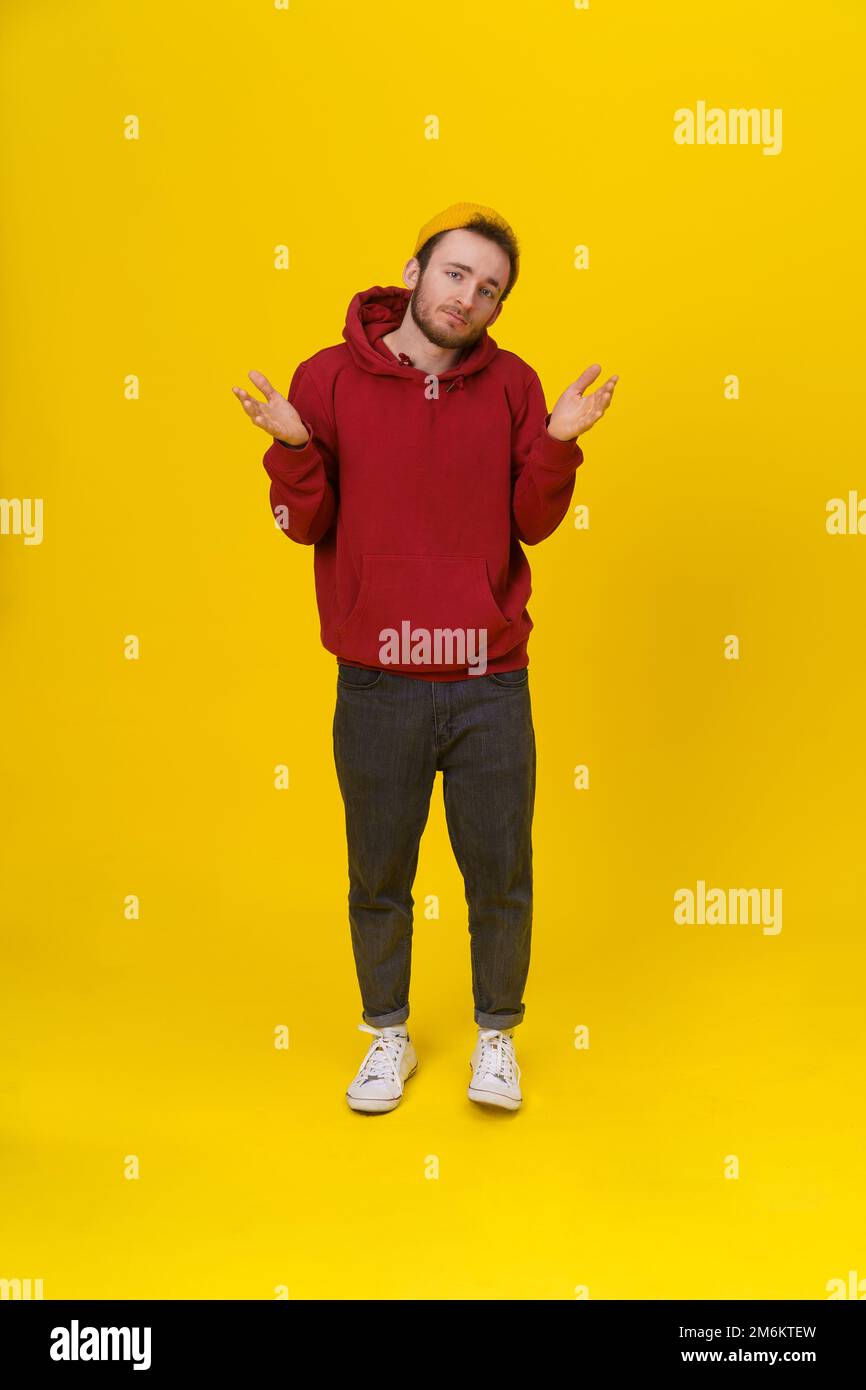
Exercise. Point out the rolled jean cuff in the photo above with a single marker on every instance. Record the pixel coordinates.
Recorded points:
(499, 1021)
(388, 1020)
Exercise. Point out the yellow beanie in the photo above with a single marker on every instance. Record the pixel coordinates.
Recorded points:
(457, 216)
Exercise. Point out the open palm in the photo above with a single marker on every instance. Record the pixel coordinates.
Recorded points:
(275, 415)
(575, 413)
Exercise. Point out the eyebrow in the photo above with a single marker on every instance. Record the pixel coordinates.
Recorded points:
(489, 281)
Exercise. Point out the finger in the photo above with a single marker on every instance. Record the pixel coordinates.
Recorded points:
(249, 403)
(608, 386)
(259, 379)
(587, 377)
(603, 397)
(605, 393)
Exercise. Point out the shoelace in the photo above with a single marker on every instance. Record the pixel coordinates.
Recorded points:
(497, 1056)
(381, 1062)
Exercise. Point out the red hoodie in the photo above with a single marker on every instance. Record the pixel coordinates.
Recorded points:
(416, 492)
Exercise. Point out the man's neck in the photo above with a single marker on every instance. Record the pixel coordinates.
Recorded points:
(425, 355)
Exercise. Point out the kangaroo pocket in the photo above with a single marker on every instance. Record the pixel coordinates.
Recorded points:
(435, 611)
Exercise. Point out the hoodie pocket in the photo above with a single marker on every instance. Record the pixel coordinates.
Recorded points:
(423, 594)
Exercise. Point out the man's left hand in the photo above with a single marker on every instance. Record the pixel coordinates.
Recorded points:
(575, 413)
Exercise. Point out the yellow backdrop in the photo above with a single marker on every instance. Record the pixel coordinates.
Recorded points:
(693, 1124)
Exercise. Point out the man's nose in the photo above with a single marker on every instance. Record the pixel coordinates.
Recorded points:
(465, 297)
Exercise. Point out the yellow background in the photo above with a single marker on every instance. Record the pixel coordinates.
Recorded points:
(155, 777)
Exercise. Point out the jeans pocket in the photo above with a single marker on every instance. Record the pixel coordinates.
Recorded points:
(517, 678)
(360, 677)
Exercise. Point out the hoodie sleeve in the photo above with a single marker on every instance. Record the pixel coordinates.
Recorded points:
(305, 479)
(542, 469)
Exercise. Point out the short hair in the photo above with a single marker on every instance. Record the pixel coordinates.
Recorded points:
(486, 228)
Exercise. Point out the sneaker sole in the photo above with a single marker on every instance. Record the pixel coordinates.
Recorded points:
(494, 1098)
(378, 1107)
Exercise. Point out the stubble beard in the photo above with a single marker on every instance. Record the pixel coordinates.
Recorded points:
(434, 327)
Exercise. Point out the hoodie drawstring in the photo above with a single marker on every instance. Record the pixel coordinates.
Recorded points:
(458, 380)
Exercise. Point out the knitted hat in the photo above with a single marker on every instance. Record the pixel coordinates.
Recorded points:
(457, 216)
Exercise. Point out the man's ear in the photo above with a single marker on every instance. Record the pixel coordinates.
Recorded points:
(411, 271)
(495, 315)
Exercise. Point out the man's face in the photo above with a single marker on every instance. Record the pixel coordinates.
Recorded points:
(466, 276)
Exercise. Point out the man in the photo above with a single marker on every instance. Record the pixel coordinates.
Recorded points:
(416, 457)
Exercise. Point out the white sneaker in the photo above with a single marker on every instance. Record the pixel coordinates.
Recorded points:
(389, 1063)
(495, 1073)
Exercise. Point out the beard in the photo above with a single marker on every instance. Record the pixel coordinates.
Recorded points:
(435, 326)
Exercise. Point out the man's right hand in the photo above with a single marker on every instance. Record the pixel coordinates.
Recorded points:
(275, 415)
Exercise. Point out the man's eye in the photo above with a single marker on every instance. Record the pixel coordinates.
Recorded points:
(487, 291)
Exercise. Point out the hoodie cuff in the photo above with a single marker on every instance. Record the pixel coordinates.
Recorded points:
(560, 450)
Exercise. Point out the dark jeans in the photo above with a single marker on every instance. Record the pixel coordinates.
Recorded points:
(391, 734)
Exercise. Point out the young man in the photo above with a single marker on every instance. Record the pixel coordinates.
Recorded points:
(416, 457)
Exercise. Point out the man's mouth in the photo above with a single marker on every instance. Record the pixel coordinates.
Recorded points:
(455, 317)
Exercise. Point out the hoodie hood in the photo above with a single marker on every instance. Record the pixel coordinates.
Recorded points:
(379, 310)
